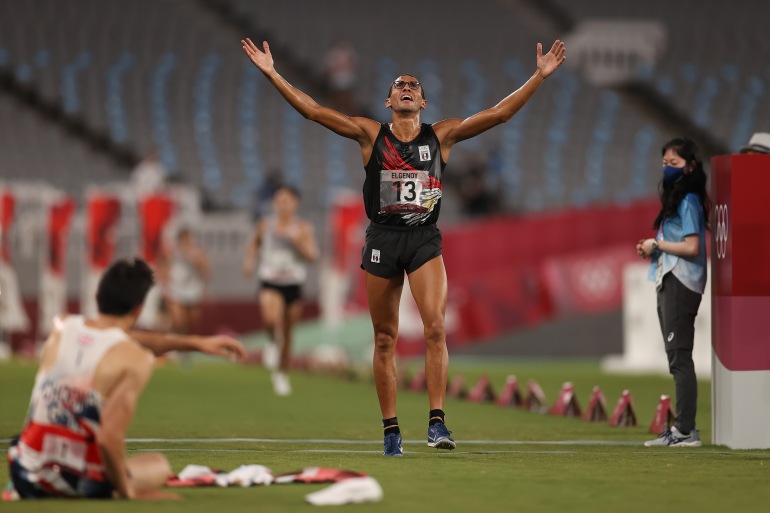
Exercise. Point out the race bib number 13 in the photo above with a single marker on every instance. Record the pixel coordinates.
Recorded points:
(401, 190)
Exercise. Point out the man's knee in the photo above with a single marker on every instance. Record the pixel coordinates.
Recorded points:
(163, 466)
(149, 471)
(385, 339)
(435, 332)
(156, 464)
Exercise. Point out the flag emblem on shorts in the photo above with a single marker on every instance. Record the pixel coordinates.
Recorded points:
(376, 256)
(424, 153)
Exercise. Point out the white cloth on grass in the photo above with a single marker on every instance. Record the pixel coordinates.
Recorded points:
(350, 491)
(246, 475)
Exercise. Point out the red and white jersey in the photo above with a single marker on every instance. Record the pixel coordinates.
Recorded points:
(58, 444)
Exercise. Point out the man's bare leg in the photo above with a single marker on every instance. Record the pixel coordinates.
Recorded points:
(429, 289)
(384, 295)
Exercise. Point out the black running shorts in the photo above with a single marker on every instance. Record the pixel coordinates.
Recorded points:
(289, 293)
(391, 250)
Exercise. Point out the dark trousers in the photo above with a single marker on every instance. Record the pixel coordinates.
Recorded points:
(677, 309)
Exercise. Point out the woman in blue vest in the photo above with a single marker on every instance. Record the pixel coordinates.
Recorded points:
(678, 268)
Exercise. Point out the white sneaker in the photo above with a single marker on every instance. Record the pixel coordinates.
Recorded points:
(270, 356)
(349, 491)
(673, 438)
(281, 385)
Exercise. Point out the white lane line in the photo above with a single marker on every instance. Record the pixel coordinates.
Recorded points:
(349, 451)
(336, 441)
(617, 443)
(651, 452)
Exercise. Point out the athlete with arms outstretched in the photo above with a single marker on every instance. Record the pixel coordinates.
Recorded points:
(404, 160)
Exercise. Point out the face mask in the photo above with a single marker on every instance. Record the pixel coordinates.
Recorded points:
(672, 174)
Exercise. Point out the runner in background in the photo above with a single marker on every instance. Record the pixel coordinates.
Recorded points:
(284, 245)
(186, 269)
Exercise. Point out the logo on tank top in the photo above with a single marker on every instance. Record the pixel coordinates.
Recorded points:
(85, 340)
(424, 153)
(376, 256)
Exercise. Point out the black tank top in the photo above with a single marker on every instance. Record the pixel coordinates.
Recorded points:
(403, 179)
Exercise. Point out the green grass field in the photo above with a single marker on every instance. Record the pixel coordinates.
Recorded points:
(547, 464)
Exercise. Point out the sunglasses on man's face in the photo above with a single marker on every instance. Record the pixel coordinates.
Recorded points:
(400, 84)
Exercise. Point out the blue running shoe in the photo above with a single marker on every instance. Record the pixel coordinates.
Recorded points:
(393, 445)
(438, 437)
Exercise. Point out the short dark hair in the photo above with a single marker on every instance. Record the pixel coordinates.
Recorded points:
(422, 89)
(288, 188)
(123, 286)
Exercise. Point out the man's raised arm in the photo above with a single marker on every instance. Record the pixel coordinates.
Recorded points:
(452, 131)
(356, 128)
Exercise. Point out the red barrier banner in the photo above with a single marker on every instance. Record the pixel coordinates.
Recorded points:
(12, 315)
(102, 213)
(59, 218)
(7, 207)
(346, 221)
(53, 279)
(155, 212)
(102, 216)
(588, 282)
(339, 272)
(509, 273)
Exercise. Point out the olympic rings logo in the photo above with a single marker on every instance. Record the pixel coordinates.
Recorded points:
(721, 219)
